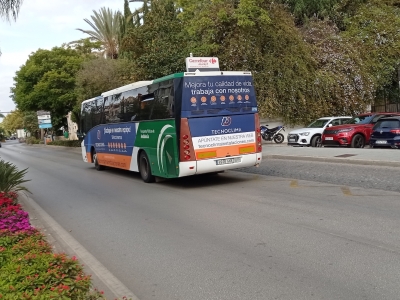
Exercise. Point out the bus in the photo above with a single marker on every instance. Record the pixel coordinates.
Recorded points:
(179, 125)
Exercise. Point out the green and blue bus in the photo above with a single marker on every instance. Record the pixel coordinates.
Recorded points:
(178, 125)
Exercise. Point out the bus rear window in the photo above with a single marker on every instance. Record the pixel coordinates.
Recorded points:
(218, 95)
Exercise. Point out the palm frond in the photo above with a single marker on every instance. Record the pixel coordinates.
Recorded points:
(105, 26)
(9, 9)
(11, 178)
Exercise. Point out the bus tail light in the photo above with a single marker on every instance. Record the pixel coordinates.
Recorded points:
(258, 133)
(186, 150)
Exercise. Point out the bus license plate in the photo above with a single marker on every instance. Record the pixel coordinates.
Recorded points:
(227, 161)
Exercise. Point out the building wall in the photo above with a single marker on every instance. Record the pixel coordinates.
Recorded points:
(72, 128)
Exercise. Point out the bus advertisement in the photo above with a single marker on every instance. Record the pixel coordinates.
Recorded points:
(179, 125)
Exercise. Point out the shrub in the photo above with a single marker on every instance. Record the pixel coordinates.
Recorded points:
(28, 268)
(11, 178)
(32, 140)
(65, 143)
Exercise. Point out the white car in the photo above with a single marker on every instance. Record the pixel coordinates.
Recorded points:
(311, 135)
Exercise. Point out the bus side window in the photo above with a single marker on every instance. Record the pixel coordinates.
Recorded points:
(163, 107)
(111, 109)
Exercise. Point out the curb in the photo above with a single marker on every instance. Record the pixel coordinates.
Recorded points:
(335, 160)
(69, 149)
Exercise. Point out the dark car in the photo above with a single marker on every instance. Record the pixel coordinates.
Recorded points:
(386, 133)
(356, 132)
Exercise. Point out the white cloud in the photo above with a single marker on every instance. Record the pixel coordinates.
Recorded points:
(14, 59)
(43, 24)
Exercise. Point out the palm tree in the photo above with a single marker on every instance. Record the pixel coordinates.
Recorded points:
(106, 26)
(9, 9)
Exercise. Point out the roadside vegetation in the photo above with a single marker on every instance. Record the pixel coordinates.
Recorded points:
(28, 267)
(65, 143)
(309, 58)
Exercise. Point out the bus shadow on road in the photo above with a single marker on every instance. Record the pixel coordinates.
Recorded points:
(205, 180)
(195, 181)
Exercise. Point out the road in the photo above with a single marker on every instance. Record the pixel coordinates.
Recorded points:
(238, 235)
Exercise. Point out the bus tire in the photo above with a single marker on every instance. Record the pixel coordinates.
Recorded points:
(96, 162)
(144, 168)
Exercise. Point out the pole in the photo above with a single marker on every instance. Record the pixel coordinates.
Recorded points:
(398, 77)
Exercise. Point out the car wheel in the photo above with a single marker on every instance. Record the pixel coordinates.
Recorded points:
(316, 141)
(358, 141)
(96, 162)
(144, 168)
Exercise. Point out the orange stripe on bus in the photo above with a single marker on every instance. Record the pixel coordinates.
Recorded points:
(114, 160)
(89, 157)
(225, 151)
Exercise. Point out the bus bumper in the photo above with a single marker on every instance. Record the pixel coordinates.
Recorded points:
(210, 165)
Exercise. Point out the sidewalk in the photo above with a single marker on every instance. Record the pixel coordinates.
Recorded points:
(364, 156)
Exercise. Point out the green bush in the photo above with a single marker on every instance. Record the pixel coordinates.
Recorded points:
(65, 143)
(32, 140)
(11, 178)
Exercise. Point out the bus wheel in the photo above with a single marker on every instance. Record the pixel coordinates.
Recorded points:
(144, 168)
(96, 162)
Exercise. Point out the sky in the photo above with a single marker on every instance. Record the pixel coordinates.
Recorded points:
(43, 24)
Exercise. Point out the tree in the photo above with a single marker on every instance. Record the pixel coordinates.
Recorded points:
(31, 123)
(13, 121)
(341, 77)
(47, 82)
(333, 10)
(374, 31)
(261, 37)
(309, 58)
(2, 133)
(106, 26)
(86, 47)
(158, 46)
(100, 75)
(9, 9)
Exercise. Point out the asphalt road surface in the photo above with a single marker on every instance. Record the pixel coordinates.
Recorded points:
(286, 230)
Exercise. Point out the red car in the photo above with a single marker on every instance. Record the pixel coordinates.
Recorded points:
(355, 132)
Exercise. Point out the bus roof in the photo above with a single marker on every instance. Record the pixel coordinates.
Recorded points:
(217, 73)
(91, 99)
(127, 87)
(210, 73)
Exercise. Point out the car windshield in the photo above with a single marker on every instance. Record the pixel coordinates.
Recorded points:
(360, 120)
(387, 124)
(320, 123)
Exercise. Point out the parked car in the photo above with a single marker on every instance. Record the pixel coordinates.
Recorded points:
(311, 135)
(386, 133)
(355, 133)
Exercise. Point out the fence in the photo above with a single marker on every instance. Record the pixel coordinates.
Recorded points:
(387, 107)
